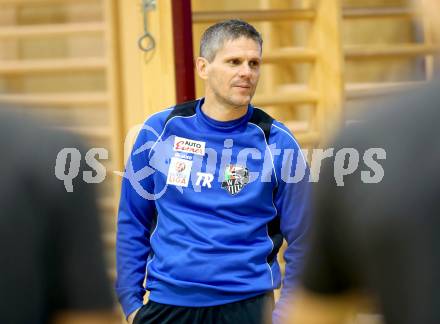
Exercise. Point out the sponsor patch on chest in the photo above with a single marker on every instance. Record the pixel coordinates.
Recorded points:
(189, 146)
(179, 172)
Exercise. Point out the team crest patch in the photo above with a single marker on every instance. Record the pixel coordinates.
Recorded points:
(236, 177)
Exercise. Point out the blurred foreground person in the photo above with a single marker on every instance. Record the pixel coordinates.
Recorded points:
(380, 240)
(52, 268)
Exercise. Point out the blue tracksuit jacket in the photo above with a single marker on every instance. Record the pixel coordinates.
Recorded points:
(204, 208)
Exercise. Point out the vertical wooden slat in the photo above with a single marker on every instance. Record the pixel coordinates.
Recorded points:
(269, 77)
(158, 76)
(328, 76)
(131, 59)
(428, 39)
(113, 76)
(113, 87)
(147, 79)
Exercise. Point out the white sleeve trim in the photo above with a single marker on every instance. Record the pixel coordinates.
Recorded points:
(296, 142)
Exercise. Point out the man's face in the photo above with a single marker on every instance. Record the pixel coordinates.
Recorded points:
(232, 77)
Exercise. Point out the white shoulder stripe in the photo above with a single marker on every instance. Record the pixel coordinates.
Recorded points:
(270, 152)
(293, 138)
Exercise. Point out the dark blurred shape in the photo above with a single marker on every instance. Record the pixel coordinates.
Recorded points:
(384, 238)
(51, 262)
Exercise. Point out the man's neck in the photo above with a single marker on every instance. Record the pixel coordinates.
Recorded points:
(222, 112)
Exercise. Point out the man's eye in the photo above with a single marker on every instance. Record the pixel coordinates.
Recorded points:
(234, 62)
(254, 64)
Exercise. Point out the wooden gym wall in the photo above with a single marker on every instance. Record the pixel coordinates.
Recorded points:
(325, 60)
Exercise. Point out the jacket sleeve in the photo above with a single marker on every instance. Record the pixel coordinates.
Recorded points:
(292, 200)
(135, 221)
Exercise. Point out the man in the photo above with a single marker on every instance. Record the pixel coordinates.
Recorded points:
(52, 267)
(380, 241)
(206, 226)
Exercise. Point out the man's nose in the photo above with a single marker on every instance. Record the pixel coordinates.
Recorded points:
(245, 70)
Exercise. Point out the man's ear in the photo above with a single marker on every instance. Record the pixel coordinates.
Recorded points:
(202, 67)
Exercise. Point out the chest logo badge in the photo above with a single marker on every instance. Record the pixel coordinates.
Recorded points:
(189, 146)
(179, 172)
(236, 177)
